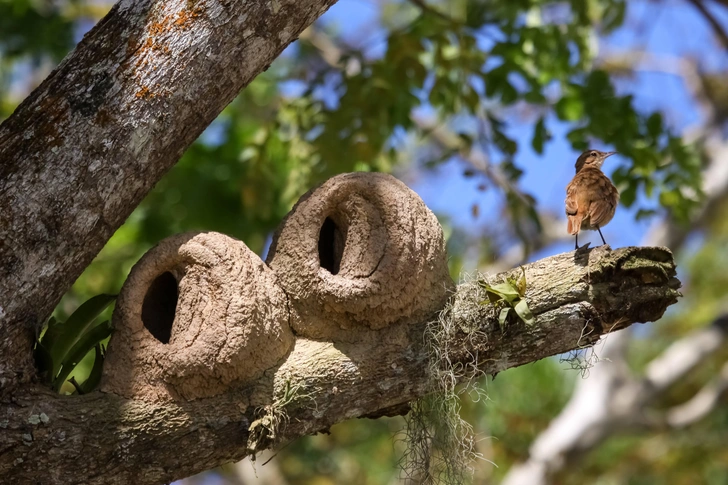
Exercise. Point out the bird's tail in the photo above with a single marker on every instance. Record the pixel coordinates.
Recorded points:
(573, 224)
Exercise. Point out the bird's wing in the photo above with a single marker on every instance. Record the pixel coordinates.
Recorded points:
(571, 202)
(601, 209)
(601, 212)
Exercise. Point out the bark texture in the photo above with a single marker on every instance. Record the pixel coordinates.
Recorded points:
(82, 151)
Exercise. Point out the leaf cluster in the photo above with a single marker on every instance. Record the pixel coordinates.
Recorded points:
(510, 298)
(64, 344)
(34, 29)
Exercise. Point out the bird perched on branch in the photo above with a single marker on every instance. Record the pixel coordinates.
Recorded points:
(591, 198)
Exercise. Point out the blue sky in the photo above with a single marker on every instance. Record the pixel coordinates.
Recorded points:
(668, 28)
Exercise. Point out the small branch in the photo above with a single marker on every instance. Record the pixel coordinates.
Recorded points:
(552, 231)
(437, 131)
(684, 68)
(714, 23)
(681, 357)
(702, 404)
(474, 156)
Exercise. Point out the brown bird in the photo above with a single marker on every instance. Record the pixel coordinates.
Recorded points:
(591, 198)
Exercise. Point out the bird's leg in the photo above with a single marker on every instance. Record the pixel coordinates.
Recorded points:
(576, 241)
(600, 233)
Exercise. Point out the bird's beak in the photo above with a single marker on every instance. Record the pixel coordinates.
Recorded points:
(609, 154)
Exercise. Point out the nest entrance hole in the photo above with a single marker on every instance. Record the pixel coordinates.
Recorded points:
(160, 305)
(331, 243)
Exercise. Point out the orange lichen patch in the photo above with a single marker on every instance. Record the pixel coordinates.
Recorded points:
(186, 17)
(145, 93)
(158, 28)
(161, 26)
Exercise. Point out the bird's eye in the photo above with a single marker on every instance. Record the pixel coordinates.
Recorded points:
(593, 154)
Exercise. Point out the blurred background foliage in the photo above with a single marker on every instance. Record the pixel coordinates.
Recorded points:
(482, 107)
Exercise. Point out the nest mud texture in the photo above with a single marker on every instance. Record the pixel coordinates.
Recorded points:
(198, 313)
(201, 312)
(360, 252)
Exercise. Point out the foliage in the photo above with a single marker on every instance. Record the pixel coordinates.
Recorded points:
(34, 29)
(510, 298)
(63, 345)
(459, 67)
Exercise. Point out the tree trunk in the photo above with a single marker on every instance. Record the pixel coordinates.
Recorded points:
(84, 149)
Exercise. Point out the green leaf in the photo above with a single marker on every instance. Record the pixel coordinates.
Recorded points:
(505, 291)
(654, 125)
(66, 335)
(509, 94)
(521, 285)
(613, 15)
(540, 136)
(95, 376)
(628, 195)
(43, 361)
(570, 108)
(524, 312)
(670, 198)
(644, 214)
(503, 317)
(79, 350)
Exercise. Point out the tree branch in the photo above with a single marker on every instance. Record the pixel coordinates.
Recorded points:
(103, 438)
(714, 23)
(82, 151)
(700, 405)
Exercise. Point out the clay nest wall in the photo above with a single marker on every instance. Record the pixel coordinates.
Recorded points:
(361, 252)
(200, 312)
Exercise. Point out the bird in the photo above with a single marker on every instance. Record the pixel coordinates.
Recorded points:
(591, 198)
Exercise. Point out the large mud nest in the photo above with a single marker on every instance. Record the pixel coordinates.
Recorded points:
(198, 313)
(359, 253)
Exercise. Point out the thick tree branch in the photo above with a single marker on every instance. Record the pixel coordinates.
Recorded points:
(103, 438)
(82, 151)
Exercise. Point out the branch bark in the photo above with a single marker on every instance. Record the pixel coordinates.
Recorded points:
(83, 149)
(103, 438)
